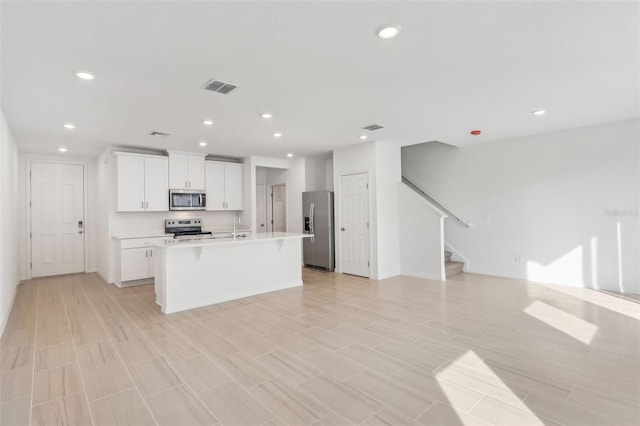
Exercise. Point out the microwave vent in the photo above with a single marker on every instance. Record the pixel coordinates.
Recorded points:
(219, 86)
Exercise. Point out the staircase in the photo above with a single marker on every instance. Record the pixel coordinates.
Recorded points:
(451, 267)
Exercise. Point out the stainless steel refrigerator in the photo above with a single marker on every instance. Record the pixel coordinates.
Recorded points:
(317, 215)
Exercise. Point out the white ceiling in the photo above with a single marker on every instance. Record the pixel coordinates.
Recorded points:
(317, 66)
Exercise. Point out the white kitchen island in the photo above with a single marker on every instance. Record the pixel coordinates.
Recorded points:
(194, 273)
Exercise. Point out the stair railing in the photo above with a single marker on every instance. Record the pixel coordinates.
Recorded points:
(434, 201)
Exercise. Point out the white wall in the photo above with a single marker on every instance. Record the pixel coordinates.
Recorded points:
(315, 174)
(91, 213)
(9, 276)
(382, 163)
(421, 232)
(388, 176)
(556, 200)
(328, 166)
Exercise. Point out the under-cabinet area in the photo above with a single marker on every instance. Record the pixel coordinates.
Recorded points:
(135, 257)
(143, 181)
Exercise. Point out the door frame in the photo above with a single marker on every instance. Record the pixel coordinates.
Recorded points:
(270, 208)
(85, 205)
(338, 220)
(266, 207)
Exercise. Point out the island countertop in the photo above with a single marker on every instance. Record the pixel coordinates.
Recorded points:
(171, 243)
(195, 273)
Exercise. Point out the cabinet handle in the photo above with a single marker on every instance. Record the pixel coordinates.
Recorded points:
(142, 204)
(186, 184)
(150, 252)
(146, 253)
(146, 204)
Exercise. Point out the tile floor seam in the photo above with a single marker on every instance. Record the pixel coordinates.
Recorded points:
(35, 346)
(372, 415)
(195, 394)
(77, 358)
(425, 410)
(102, 323)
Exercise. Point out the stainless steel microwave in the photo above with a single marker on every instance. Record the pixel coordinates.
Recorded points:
(187, 199)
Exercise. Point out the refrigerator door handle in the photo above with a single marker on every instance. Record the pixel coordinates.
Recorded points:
(312, 210)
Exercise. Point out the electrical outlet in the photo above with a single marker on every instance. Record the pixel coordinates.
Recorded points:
(518, 258)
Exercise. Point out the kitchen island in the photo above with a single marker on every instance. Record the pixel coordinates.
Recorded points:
(194, 273)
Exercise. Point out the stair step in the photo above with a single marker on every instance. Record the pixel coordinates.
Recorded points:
(453, 268)
(447, 256)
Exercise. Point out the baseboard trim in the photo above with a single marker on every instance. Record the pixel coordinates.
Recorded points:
(6, 315)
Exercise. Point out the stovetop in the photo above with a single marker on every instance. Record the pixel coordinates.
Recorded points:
(185, 228)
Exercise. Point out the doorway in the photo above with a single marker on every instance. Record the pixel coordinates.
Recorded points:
(279, 208)
(57, 219)
(261, 207)
(354, 224)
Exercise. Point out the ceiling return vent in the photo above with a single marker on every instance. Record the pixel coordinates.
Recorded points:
(219, 86)
(155, 133)
(372, 127)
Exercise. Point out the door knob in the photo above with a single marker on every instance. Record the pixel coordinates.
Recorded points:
(342, 229)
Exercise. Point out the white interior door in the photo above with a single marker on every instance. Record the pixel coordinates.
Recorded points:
(354, 224)
(279, 207)
(261, 207)
(57, 219)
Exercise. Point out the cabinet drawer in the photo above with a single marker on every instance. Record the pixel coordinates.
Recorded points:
(140, 242)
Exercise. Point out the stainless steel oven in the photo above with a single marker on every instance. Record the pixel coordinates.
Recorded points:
(187, 199)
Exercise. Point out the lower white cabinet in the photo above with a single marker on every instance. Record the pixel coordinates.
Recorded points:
(136, 257)
(136, 264)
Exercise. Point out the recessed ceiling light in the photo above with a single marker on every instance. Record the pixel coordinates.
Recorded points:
(277, 134)
(388, 31)
(69, 126)
(207, 122)
(290, 155)
(266, 115)
(202, 143)
(538, 112)
(85, 75)
(62, 149)
(363, 137)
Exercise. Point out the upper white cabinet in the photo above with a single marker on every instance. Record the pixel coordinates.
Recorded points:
(224, 186)
(142, 183)
(186, 170)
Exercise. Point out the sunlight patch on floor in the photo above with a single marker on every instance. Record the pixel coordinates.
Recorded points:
(482, 379)
(574, 327)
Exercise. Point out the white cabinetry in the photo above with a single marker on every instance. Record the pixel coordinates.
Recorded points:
(186, 170)
(136, 259)
(224, 186)
(142, 183)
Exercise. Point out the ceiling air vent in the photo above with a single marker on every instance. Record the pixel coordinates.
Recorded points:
(163, 134)
(372, 127)
(219, 86)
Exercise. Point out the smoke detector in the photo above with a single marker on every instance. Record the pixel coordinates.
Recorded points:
(219, 86)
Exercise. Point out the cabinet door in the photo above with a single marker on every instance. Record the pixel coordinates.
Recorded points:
(178, 175)
(233, 186)
(130, 183)
(152, 266)
(196, 172)
(134, 264)
(156, 184)
(215, 185)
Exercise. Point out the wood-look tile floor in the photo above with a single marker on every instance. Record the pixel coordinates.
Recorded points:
(340, 350)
